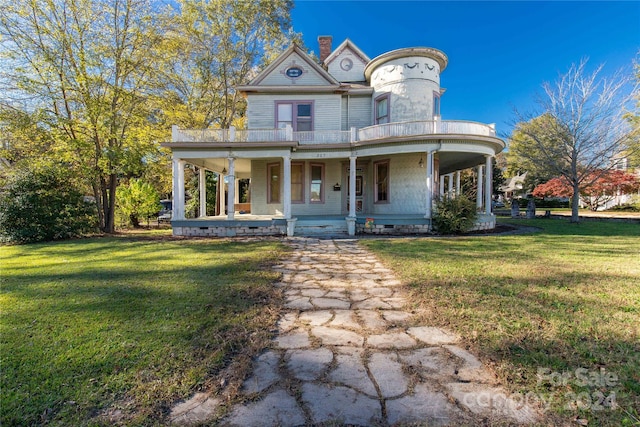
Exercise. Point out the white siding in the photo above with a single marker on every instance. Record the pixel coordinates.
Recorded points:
(355, 74)
(326, 110)
(360, 114)
(278, 77)
(407, 182)
(411, 81)
(332, 199)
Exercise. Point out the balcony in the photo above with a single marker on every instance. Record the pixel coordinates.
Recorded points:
(319, 137)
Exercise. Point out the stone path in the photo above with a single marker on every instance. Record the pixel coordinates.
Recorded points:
(347, 353)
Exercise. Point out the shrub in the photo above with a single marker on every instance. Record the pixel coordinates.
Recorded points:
(41, 203)
(454, 215)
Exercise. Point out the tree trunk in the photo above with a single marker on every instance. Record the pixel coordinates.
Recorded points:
(575, 204)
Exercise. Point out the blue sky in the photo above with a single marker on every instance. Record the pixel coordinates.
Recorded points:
(499, 52)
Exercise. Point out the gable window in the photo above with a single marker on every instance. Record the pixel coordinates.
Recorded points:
(298, 115)
(297, 182)
(436, 104)
(317, 183)
(381, 177)
(274, 177)
(382, 109)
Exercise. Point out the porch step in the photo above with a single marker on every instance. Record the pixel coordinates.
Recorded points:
(321, 228)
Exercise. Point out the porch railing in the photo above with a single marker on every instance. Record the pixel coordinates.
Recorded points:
(388, 130)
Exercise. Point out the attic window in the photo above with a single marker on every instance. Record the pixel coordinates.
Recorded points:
(293, 72)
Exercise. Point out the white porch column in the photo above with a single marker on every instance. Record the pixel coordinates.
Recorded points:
(457, 183)
(178, 189)
(286, 173)
(221, 192)
(429, 186)
(450, 184)
(352, 186)
(488, 192)
(202, 189)
(479, 188)
(442, 185)
(231, 191)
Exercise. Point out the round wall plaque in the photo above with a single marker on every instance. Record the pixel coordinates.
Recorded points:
(346, 64)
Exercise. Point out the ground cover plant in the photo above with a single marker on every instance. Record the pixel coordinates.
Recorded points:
(555, 313)
(103, 330)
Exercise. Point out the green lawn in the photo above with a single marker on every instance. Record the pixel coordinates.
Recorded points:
(104, 329)
(538, 307)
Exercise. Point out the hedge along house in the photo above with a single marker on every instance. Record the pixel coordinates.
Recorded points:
(349, 146)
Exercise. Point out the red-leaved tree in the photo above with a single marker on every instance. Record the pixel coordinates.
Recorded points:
(600, 191)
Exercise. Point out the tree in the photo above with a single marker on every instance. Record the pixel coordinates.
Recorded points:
(138, 200)
(633, 153)
(581, 131)
(82, 69)
(43, 202)
(602, 189)
(214, 46)
(524, 153)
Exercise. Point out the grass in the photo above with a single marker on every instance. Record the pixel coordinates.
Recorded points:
(538, 307)
(104, 330)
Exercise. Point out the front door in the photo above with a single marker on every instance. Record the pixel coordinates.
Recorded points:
(360, 190)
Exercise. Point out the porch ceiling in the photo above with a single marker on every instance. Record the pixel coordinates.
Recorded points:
(454, 161)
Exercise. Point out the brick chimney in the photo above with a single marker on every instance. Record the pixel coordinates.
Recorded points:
(325, 47)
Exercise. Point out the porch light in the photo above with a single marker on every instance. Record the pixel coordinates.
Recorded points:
(421, 162)
(224, 171)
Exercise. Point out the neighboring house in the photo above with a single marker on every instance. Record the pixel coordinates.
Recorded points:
(350, 146)
(513, 186)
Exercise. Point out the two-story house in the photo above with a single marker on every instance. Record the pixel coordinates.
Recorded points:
(350, 145)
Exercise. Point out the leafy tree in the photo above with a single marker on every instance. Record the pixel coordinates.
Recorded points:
(216, 45)
(633, 152)
(82, 69)
(41, 203)
(138, 200)
(601, 190)
(581, 132)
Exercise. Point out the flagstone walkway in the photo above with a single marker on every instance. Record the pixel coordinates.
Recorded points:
(347, 352)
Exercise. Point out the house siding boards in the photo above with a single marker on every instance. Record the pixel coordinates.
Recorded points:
(347, 67)
(309, 77)
(261, 110)
(356, 111)
(411, 83)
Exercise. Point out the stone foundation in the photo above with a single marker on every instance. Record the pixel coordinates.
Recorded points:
(225, 231)
(393, 229)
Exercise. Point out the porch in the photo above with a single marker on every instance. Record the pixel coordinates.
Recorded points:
(312, 225)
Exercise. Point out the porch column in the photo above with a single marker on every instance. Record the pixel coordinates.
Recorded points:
(178, 189)
(442, 185)
(202, 189)
(221, 193)
(352, 186)
(287, 186)
(488, 192)
(479, 188)
(457, 183)
(450, 184)
(429, 187)
(231, 192)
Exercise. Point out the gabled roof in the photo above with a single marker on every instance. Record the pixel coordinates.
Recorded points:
(284, 57)
(350, 45)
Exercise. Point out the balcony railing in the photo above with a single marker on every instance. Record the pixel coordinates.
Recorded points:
(388, 130)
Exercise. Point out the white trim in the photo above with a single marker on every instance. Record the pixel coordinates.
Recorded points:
(231, 190)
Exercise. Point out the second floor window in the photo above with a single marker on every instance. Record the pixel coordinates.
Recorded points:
(436, 104)
(298, 115)
(382, 109)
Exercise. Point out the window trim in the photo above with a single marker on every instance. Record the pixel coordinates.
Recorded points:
(302, 183)
(294, 113)
(270, 200)
(322, 184)
(436, 111)
(376, 199)
(376, 119)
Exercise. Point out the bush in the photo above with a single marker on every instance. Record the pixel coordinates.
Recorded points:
(454, 215)
(41, 203)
